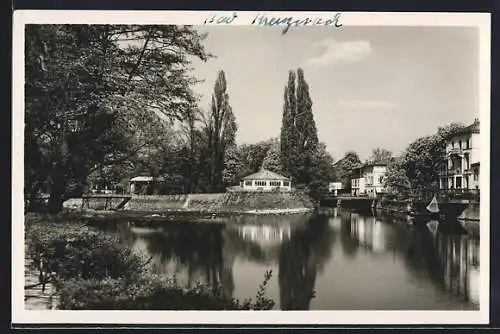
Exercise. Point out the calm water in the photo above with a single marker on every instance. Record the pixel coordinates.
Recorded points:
(347, 260)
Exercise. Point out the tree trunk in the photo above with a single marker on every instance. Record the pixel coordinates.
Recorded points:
(56, 201)
(57, 191)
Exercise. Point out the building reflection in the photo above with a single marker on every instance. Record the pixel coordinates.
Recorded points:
(265, 235)
(369, 232)
(459, 256)
(450, 260)
(195, 252)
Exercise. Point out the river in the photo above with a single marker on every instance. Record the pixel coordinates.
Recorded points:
(335, 260)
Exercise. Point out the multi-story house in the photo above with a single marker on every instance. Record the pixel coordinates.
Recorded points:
(368, 179)
(461, 168)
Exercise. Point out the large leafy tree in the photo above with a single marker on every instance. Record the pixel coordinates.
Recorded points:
(380, 155)
(417, 172)
(396, 181)
(98, 94)
(322, 171)
(345, 167)
(272, 160)
(252, 156)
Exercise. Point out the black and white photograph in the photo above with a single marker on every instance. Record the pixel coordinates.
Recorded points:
(330, 163)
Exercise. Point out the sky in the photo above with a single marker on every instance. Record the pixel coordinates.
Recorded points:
(371, 86)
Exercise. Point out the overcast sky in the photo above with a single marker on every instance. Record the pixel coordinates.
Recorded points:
(370, 86)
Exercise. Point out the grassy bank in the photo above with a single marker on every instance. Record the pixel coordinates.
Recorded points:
(93, 271)
(231, 202)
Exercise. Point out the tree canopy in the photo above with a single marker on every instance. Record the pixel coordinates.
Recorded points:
(98, 94)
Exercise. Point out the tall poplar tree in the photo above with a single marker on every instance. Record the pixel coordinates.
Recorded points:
(287, 137)
(299, 138)
(306, 133)
(221, 131)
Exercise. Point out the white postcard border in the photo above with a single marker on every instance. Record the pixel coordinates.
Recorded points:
(20, 315)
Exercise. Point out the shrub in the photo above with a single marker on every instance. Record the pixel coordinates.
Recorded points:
(92, 271)
(70, 251)
(152, 292)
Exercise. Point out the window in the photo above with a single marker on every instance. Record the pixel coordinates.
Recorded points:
(460, 144)
(275, 183)
(261, 183)
(248, 183)
(286, 184)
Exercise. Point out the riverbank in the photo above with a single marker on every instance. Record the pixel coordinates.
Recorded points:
(462, 210)
(219, 203)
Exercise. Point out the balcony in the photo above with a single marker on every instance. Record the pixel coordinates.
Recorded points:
(470, 194)
(456, 152)
(451, 171)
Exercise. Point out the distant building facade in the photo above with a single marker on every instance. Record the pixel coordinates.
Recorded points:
(265, 180)
(335, 187)
(462, 160)
(368, 179)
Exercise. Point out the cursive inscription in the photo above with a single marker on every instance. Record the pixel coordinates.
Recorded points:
(290, 21)
(220, 19)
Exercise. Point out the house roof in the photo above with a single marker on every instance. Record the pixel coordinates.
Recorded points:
(369, 164)
(473, 128)
(265, 174)
(146, 179)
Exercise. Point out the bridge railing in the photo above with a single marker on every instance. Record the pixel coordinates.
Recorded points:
(423, 196)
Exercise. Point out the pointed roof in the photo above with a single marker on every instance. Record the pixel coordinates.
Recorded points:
(265, 174)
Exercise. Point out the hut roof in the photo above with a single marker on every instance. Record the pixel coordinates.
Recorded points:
(146, 179)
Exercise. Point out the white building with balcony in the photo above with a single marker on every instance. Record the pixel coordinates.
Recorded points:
(462, 160)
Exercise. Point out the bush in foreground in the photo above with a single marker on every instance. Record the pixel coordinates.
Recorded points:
(79, 252)
(92, 271)
(151, 292)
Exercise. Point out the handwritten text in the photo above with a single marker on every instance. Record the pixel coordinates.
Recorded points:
(289, 21)
(219, 19)
(265, 20)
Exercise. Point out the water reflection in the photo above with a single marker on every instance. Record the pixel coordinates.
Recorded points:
(450, 260)
(345, 260)
(302, 258)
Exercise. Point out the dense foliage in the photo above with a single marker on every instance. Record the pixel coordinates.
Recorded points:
(345, 168)
(91, 270)
(416, 172)
(97, 95)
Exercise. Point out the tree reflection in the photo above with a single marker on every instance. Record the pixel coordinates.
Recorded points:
(197, 251)
(302, 257)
